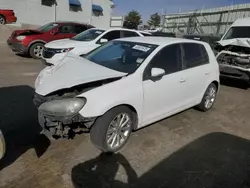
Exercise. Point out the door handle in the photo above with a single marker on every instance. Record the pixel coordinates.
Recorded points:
(182, 80)
(207, 73)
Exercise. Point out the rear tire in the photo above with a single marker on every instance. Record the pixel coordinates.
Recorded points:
(110, 133)
(208, 99)
(2, 20)
(36, 50)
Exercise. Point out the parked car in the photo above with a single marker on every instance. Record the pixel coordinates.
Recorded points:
(123, 86)
(210, 39)
(234, 51)
(163, 34)
(7, 16)
(84, 43)
(2, 145)
(32, 42)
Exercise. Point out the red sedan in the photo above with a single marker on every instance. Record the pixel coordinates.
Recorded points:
(7, 16)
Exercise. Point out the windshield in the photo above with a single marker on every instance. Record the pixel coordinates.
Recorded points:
(121, 56)
(47, 27)
(237, 32)
(88, 35)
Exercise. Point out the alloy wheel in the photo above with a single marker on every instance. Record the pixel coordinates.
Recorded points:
(2, 145)
(210, 97)
(118, 130)
(38, 50)
(2, 20)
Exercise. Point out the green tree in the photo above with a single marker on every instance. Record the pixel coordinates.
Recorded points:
(133, 18)
(155, 20)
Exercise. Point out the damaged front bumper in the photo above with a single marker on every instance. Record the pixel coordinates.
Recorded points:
(61, 127)
(231, 68)
(64, 127)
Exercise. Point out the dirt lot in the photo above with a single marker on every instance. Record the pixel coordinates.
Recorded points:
(191, 149)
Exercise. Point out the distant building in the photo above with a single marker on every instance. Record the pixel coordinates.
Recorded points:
(207, 21)
(39, 12)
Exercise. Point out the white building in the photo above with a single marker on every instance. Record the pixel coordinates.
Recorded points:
(39, 12)
(207, 21)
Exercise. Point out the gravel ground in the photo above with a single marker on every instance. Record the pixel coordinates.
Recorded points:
(191, 149)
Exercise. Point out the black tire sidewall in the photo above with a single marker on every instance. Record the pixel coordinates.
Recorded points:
(31, 50)
(99, 130)
(4, 19)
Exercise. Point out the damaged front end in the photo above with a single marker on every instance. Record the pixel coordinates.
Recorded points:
(234, 59)
(58, 112)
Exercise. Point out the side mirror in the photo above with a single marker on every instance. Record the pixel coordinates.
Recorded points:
(2, 145)
(103, 41)
(157, 72)
(54, 32)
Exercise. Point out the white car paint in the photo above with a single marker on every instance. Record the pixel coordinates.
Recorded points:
(50, 79)
(79, 47)
(152, 100)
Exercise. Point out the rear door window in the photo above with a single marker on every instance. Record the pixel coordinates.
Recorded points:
(112, 35)
(194, 55)
(67, 28)
(79, 28)
(128, 34)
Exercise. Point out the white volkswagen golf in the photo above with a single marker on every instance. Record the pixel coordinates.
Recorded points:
(125, 85)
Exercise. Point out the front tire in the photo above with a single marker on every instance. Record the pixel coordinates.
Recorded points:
(208, 99)
(36, 50)
(112, 130)
(2, 20)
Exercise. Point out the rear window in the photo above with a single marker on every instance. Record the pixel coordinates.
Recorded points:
(146, 34)
(195, 55)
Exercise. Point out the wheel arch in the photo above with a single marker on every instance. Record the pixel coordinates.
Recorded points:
(134, 111)
(216, 83)
(36, 41)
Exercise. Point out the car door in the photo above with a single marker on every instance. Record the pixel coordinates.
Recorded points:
(64, 31)
(164, 96)
(197, 71)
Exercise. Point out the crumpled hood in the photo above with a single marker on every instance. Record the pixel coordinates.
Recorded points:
(243, 42)
(72, 71)
(65, 43)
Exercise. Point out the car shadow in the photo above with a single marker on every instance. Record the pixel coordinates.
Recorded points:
(23, 56)
(235, 83)
(216, 160)
(19, 124)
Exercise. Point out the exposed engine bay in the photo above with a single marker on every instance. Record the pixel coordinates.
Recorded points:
(66, 126)
(234, 58)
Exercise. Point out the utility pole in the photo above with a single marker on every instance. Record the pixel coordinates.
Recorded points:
(91, 11)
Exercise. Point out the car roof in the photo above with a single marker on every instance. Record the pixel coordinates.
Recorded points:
(120, 28)
(159, 40)
(242, 22)
(66, 22)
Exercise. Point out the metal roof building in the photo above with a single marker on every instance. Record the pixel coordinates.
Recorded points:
(207, 21)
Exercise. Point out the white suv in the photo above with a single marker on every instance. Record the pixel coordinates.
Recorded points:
(84, 42)
(123, 86)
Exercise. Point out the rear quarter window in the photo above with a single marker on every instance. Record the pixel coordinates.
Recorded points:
(194, 55)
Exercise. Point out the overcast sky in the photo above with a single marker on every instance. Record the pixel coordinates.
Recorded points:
(147, 7)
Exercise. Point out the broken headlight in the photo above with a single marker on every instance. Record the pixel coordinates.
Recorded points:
(63, 107)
